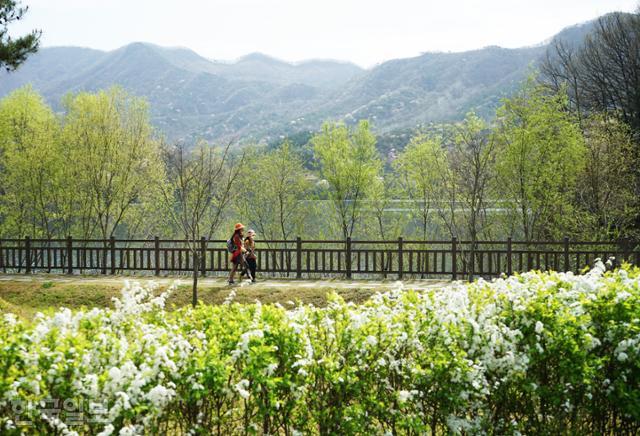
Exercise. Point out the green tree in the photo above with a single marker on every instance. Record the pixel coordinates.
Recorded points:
(605, 195)
(386, 225)
(472, 159)
(350, 164)
(273, 187)
(541, 154)
(32, 169)
(114, 158)
(14, 51)
(383, 193)
(601, 76)
(418, 175)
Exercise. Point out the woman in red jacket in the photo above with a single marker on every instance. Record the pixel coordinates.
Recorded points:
(236, 256)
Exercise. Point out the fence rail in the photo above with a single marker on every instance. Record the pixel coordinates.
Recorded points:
(311, 258)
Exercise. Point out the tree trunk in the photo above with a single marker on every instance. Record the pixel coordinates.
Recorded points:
(194, 300)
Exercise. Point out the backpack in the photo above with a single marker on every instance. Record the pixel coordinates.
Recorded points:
(231, 246)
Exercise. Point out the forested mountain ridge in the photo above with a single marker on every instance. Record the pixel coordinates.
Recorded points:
(262, 98)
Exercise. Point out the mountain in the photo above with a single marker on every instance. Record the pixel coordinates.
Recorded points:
(317, 73)
(434, 87)
(260, 98)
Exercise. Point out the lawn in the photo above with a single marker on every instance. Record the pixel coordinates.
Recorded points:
(27, 296)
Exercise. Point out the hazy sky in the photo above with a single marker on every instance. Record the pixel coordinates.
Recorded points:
(365, 32)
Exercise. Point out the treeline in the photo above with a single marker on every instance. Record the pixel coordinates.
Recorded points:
(97, 171)
(561, 157)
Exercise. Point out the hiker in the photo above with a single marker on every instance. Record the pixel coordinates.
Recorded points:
(250, 254)
(238, 250)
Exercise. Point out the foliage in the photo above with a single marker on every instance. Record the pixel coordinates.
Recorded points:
(351, 166)
(535, 354)
(32, 167)
(600, 76)
(541, 152)
(116, 160)
(466, 181)
(606, 200)
(97, 170)
(418, 172)
(90, 172)
(381, 217)
(272, 188)
(14, 51)
(200, 184)
(473, 163)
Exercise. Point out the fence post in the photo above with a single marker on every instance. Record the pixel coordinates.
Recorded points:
(472, 261)
(348, 257)
(400, 260)
(454, 258)
(27, 248)
(69, 255)
(203, 256)
(112, 257)
(509, 255)
(156, 254)
(298, 257)
(566, 254)
(626, 247)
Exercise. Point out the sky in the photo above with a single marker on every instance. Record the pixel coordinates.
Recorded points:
(363, 32)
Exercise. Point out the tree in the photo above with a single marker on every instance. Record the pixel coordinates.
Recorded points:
(602, 75)
(472, 159)
(350, 164)
(200, 185)
(388, 225)
(14, 52)
(418, 175)
(273, 188)
(115, 159)
(459, 171)
(32, 174)
(540, 156)
(604, 195)
(383, 191)
(461, 175)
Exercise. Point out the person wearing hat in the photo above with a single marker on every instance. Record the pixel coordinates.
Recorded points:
(236, 256)
(250, 249)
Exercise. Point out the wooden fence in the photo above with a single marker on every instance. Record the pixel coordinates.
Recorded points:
(311, 258)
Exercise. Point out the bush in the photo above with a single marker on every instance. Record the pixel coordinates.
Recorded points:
(535, 353)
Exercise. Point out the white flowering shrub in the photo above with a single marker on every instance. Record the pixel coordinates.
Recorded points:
(538, 353)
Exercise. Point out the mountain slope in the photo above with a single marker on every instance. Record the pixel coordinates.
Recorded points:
(322, 74)
(262, 98)
(434, 86)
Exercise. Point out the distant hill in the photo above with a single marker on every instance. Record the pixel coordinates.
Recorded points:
(433, 87)
(319, 73)
(262, 98)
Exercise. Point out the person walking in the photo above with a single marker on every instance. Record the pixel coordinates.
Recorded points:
(236, 255)
(250, 256)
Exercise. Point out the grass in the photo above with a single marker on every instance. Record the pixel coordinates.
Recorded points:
(25, 298)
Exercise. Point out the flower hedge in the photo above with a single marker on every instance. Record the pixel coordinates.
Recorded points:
(537, 353)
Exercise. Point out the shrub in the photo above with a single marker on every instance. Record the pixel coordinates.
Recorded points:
(534, 353)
